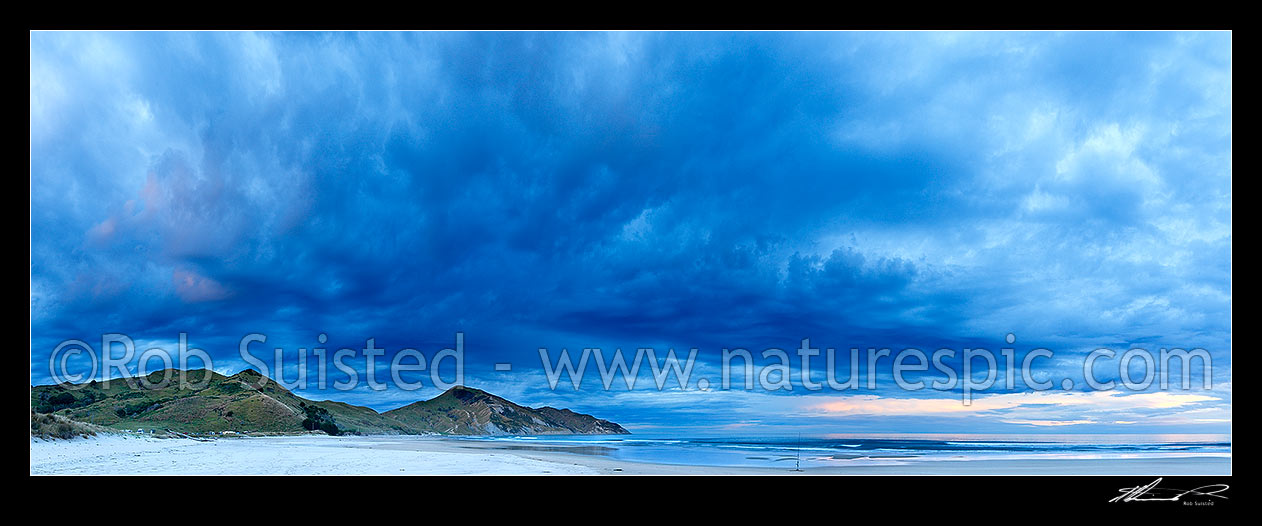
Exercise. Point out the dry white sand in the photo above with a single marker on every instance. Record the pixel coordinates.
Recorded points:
(411, 455)
(298, 455)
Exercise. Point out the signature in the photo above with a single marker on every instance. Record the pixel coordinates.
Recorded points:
(1151, 492)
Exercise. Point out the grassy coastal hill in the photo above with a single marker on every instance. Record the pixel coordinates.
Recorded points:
(468, 411)
(247, 402)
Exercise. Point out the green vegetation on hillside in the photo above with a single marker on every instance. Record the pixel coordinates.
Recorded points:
(247, 402)
(318, 418)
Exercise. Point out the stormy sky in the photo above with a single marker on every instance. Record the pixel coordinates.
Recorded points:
(666, 190)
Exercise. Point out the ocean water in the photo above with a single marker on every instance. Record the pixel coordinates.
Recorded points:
(870, 449)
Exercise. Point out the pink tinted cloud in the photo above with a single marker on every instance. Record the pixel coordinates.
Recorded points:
(195, 288)
(103, 233)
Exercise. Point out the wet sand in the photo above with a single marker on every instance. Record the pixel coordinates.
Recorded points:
(911, 465)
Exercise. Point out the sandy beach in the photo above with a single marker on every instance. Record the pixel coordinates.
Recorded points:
(296, 455)
(411, 455)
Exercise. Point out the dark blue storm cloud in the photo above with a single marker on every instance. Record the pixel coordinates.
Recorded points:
(711, 190)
